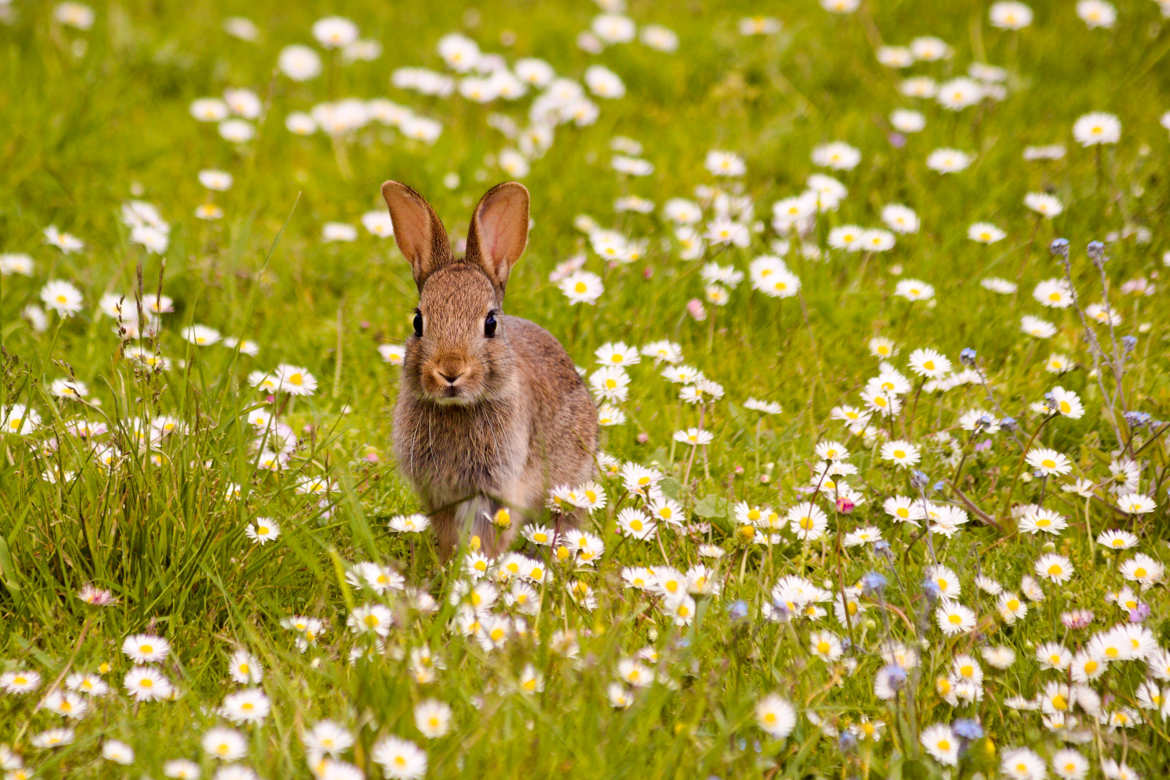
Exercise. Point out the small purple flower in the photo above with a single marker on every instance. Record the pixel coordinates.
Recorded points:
(930, 589)
(1137, 419)
(873, 582)
(1059, 247)
(968, 728)
(919, 480)
(737, 610)
(983, 446)
(1139, 613)
(892, 676)
(967, 356)
(1096, 251)
(781, 612)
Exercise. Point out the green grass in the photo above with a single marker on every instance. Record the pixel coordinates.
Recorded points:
(97, 118)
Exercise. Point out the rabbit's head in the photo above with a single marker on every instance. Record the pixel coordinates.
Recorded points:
(458, 353)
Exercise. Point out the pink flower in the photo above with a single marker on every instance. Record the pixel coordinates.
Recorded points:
(844, 505)
(696, 310)
(91, 594)
(1078, 618)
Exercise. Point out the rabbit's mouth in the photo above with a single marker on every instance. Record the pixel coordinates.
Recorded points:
(451, 396)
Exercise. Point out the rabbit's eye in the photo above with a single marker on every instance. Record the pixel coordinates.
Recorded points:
(418, 323)
(489, 325)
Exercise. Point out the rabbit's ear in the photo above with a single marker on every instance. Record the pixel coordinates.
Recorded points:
(418, 231)
(499, 231)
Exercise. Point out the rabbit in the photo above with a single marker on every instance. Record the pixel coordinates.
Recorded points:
(491, 412)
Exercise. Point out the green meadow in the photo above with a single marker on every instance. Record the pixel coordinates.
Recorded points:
(870, 297)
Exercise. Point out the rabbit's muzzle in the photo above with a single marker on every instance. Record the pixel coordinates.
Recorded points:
(451, 380)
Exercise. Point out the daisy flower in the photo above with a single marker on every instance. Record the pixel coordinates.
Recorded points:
(1036, 327)
(249, 705)
(19, 419)
(117, 752)
(582, 287)
(1117, 539)
(1136, 504)
(694, 436)
(948, 161)
(146, 683)
(200, 335)
(295, 380)
(20, 681)
(776, 716)
(1097, 13)
(1010, 15)
(66, 242)
(328, 738)
(1068, 764)
(837, 155)
(1048, 463)
(825, 645)
(335, 32)
(1037, 519)
(1054, 568)
(985, 233)
(724, 163)
(764, 407)
(224, 743)
(432, 718)
(959, 93)
(262, 530)
(62, 297)
(608, 415)
(1021, 764)
(145, 648)
(1043, 204)
(617, 354)
(807, 521)
(899, 218)
(954, 618)
(913, 290)
(941, 743)
(1097, 128)
(52, 738)
(900, 453)
(1068, 403)
(929, 363)
(1143, 570)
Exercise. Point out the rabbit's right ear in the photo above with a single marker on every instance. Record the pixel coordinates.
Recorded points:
(418, 231)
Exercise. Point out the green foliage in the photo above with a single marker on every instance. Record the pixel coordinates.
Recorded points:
(95, 119)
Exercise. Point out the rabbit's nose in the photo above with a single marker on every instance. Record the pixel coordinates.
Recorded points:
(450, 375)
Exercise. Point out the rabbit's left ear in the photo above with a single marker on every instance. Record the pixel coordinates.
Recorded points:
(418, 231)
(499, 231)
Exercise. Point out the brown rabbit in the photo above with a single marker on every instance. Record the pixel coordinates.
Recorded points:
(491, 413)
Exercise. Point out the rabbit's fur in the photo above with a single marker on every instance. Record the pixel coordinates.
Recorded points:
(482, 423)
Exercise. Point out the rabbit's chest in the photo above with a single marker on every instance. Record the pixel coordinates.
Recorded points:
(451, 454)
